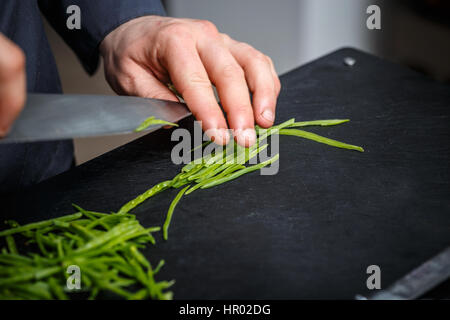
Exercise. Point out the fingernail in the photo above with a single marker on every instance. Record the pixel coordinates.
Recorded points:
(219, 136)
(246, 137)
(268, 115)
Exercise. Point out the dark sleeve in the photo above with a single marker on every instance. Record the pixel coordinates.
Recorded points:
(98, 18)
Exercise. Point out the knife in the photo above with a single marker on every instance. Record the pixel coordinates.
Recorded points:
(48, 117)
(419, 281)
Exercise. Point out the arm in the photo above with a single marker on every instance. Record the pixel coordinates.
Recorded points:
(98, 18)
(143, 51)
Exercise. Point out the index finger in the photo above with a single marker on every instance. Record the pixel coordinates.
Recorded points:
(191, 80)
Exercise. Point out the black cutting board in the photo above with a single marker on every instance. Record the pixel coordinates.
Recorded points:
(311, 230)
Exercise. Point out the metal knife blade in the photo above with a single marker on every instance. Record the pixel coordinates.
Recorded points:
(65, 116)
(419, 281)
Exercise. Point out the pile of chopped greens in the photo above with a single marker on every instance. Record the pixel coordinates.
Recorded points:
(106, 246)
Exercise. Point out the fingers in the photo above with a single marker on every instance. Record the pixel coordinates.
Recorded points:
(137, 81)
(261, 79)
(12, 83)
(191, 80)
(192, 54)
(229, 79)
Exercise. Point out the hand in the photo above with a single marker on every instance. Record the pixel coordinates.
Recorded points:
(144, 54)
(12, 83)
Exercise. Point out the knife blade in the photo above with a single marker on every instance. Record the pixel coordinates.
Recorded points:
(48, 117)
(417, 282)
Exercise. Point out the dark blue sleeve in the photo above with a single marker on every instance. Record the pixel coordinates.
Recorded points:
(98, 18)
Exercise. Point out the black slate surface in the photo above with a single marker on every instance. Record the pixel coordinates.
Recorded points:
(311, 230)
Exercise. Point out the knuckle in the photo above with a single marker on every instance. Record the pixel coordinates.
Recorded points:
(208, 27)
(245, 47)
(260, 57)
(242, 109)
(231, 71)
(196, 80)
(175, 30)
(225, 38)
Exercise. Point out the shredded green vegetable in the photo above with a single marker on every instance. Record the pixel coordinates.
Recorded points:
(170, 212)
(317, 138)
(153, 121)
(322, 123)
(106, 246)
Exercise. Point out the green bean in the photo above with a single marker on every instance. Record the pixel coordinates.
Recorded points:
(201, 146)
(107, 246)
(40, 244)
(192, 172)
(37, 275)
(36, 225)
(159, 266)
(215, 171)
(267, 132)
(153, 121)
(320, 139)
(228, 170)
(11, 244)
(189, 166)
(39, 290)
(170, 212)
(14, 259)
(240, 173)
(118, 231)
(203, 172)
(140, 295)
(323, 123)
(57, 289)
(141, 198)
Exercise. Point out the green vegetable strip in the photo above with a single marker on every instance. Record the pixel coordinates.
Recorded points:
(204, 144)
(105, 246)
(323, 123)
(264, 133)
(320, 139)
(40, 224)
(57, 289)
(170, 212)
(152, 121)
(147, 194)
(159, 266)
(240, 173)
(11, 244)
(230, 169)
(204, 172)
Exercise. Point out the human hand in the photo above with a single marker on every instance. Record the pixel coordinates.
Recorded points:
(12, 83)
(144, 54)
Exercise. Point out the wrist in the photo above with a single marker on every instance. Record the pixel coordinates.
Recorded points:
(111, 41)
